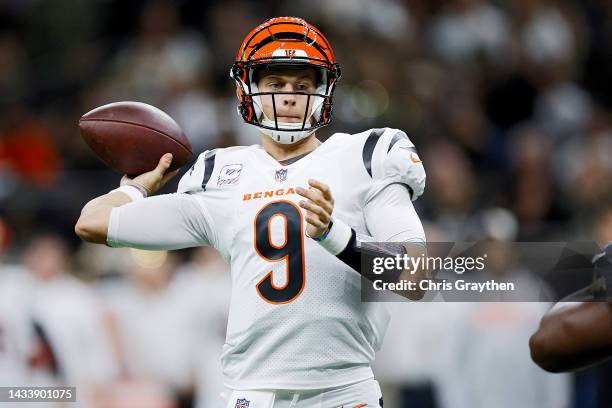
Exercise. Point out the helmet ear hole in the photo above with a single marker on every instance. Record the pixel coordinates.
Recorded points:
(246, 111)
(336, 71)
(242, 109)
(238, 72)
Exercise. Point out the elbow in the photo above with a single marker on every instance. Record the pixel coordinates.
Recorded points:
(88, 231)
(83, 230)
(548, 347)
(542, 353)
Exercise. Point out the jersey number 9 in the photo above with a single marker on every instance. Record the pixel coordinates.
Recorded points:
(291, 251)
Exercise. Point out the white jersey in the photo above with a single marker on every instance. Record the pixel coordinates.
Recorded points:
(16, 334)
(296, 319)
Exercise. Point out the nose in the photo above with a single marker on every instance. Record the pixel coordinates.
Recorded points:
(288, 99)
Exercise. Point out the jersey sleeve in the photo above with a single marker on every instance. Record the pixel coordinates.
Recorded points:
(198, 176)
(394, 159)
(391, 217)
(165, 222)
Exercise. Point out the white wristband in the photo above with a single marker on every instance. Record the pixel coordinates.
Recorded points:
(133, 192)
(338, 237)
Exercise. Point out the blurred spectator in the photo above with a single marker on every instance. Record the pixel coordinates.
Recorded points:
(16, 334)
(13, 69)
(27, 149)
(451, 185)
(545, 34)
(386, 18)
(584, 166)
(161, 60)
(409, 363)
(534, 192)
(468, 30)
(207, 278)
(563, 109)
(73, 346)
(486, 359)
(171, 323)
(197, 112)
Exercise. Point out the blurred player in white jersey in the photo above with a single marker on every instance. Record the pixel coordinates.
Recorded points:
(288, 216)
(16, 333)
(73, 344)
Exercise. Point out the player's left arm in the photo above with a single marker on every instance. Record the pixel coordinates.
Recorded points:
(397, 178)
(390, 216)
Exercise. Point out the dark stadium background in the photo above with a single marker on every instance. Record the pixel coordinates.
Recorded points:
(508, 102)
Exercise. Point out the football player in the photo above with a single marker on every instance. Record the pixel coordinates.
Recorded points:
(288, 216)
(577, 333)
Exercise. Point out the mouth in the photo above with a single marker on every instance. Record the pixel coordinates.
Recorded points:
(289, 119)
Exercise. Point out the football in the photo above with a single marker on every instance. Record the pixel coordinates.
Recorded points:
(130, 137)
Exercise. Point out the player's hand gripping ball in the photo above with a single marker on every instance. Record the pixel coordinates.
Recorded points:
(153, 180)
(319, 205)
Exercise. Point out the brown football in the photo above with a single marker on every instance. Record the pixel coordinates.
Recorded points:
(130, 137)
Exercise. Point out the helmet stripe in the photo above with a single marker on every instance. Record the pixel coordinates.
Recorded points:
(285, 36)
(247, 43)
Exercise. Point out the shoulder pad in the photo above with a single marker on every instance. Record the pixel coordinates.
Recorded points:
(389, 157)
(197, 177)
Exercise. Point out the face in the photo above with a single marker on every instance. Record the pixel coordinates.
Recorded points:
(46, 257)
(289, 108)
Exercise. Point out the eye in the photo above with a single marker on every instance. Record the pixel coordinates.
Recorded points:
(304, 87)
(274, 85)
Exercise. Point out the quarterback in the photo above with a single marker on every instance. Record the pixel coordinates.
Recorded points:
(288, 215)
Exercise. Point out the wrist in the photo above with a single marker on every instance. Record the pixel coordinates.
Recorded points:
(336, 238)
(135, 192)
(326, 233)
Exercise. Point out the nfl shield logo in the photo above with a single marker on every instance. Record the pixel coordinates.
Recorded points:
(280, 175)
(242, 403)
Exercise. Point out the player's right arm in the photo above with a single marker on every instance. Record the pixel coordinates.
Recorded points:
(169, 221)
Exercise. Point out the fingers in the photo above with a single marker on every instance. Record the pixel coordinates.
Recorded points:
(164, 163)
(323, 188)
(168, 176)
(319, 205)
(318, 196)
(316, 222)
(311, 194)
(322, 214)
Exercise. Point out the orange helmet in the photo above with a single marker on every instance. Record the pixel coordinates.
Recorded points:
(285, 42)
